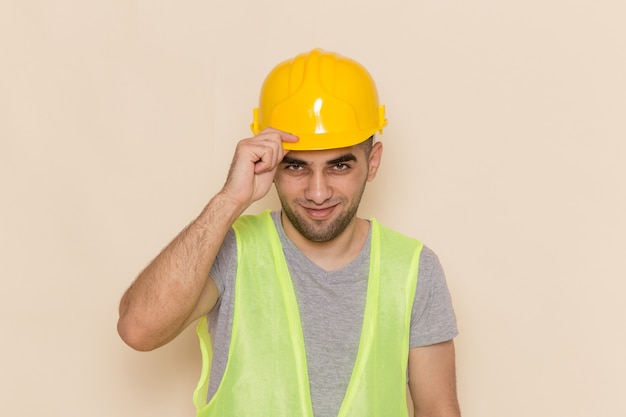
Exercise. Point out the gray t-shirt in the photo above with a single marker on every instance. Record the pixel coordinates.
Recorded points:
(331, 309)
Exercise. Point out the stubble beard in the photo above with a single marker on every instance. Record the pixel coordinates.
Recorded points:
(315, 231)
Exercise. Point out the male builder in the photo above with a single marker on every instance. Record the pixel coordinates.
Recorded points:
(310, 310)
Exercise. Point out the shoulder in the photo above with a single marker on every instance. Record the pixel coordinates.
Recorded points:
(427, 256)
(429, 260)
(252, 222)
(245, 226)
(398, 239)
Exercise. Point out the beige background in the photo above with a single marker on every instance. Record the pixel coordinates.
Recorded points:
(504, 153)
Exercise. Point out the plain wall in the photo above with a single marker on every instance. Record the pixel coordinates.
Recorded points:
(505, 153)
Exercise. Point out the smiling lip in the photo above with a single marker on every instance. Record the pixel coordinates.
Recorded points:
(319, 213)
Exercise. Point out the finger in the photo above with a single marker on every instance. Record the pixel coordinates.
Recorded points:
(280, 135)
(267, 156)
(289, 137)
(274, 139)
(283, 137)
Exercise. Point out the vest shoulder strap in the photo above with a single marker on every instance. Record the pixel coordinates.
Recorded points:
(378, 383)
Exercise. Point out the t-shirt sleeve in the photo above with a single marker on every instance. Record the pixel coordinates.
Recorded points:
(225, 263)
(433, 319)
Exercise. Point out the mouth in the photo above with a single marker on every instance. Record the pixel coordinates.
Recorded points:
(319, 213)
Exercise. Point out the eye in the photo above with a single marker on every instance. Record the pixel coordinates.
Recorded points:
(294, 167)
(341, 167)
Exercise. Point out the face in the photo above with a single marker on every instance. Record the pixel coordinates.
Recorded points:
(320, 191)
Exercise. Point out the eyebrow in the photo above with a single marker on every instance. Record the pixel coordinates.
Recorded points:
(343, 158)
(293, 161)
(339, 160)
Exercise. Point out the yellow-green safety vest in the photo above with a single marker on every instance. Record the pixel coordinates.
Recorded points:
(266, 373)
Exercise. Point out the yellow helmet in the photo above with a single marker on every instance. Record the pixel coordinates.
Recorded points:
(328, 100)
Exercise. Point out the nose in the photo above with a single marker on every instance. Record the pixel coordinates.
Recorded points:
(318, 188)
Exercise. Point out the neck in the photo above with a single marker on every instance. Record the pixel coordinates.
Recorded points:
(333, 254)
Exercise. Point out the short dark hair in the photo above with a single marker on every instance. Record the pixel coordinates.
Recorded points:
(367, 145)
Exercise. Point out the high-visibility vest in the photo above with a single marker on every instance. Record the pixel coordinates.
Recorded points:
(266, 373)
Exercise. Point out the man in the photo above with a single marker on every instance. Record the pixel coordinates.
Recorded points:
(311, 310)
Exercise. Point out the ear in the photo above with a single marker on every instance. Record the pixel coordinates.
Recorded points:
(374, 160)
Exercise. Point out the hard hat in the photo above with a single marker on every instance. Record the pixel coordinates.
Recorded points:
(327, 100)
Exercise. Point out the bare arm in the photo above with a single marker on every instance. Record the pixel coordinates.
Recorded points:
(432, 380)
(175, 288)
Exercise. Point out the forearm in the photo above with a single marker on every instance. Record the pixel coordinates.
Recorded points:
(173, 290)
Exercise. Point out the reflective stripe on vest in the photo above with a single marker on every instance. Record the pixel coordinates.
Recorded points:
(266, 373)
